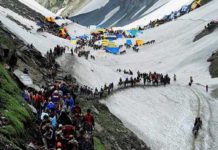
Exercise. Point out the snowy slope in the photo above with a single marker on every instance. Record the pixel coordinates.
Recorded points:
(42, 41)
(37, 7)
(137, 11)
(91, 6)
(31, 37)
(164, 8)
(160, 117)
(163, 117)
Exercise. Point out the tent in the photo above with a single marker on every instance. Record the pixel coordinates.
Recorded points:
(119, 36)
(139, 42)
(58, 17)
(73, 42)
(128, 42)
(50, 19)
(196, 4)
(105, 42)
(110, 38)
(39, 23)
(73, 38)
(111, 44)
(133, 32)
(62, 33)
(83, 37)
(113, 50)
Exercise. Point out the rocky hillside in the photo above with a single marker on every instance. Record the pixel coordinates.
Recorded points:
(68, 6)
(15, 115)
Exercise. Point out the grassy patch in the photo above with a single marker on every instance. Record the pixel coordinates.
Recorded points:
(98, 144)
(13, 107)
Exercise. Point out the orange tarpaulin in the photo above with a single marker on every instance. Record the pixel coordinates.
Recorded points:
(139, 42)
(50, 19)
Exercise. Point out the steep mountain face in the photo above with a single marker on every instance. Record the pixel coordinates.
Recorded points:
(63, 7)
(110, 13)
(116, 13)
(105, 12)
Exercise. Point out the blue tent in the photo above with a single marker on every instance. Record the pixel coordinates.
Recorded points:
(133, 32)
(83, 37)
(58, 17)
(111, 38)
(128, 42)
(73, 38)
(119, 36)
(41, 24)
(113, 50)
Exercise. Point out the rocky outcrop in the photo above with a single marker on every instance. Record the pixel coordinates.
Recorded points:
(210, 28)
(25, 56)
(214, 64)
(68, 6)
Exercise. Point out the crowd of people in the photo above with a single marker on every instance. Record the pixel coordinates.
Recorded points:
(52, 54)
(148, 79)
(62, 124)
(51, 64)
(212, 25)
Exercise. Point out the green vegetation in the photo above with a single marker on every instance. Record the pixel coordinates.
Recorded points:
(98, 144)
(12, 106)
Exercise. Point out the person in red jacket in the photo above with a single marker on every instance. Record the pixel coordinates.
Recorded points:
(88, 121)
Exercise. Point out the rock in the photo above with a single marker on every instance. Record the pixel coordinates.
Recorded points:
(33, 109)
(98, 127)
(214, 64)
(31, 146)
(95, 110)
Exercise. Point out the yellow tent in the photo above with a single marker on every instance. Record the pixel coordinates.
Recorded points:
(50, 19)
(111, 44)
(73, 42)
(105, 42)
(139, 42)
(196, 4)
(62, 33)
